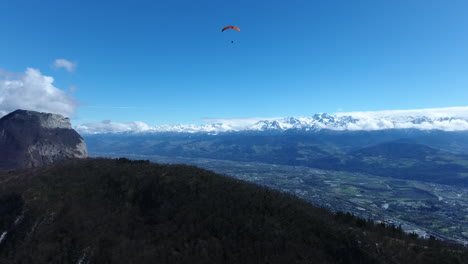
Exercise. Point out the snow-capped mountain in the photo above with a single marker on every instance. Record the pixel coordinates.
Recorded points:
(446, 119)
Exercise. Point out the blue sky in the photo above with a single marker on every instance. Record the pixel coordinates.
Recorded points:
(168, 62)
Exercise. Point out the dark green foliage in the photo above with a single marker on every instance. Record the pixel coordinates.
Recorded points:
(123, 211)
(11, 206)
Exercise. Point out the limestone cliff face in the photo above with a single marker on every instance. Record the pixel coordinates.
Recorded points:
(32, 139)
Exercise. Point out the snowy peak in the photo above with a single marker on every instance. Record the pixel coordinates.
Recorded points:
(446, 119)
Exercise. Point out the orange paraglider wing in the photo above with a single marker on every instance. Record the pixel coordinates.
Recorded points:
(230, 27)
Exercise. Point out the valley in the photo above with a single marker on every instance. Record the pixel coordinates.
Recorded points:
(430, 156)
(422, 208)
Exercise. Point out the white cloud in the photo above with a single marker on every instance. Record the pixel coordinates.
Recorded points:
(447, 119)
(33, 91)
(63, 63)
(107, 126)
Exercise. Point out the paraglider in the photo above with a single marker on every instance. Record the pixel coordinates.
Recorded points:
(230, 27)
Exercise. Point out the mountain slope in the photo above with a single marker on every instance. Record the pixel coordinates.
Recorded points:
(403, 160)
(121, 211)
(32, 139)
(397, 150)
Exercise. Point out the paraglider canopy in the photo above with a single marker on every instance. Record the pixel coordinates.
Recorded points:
(231, 27)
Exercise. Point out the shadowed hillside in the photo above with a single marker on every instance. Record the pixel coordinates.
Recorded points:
(122, 211)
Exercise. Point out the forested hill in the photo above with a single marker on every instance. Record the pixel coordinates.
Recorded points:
(122, 211)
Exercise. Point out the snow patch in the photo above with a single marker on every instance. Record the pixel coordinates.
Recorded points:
(2, 237)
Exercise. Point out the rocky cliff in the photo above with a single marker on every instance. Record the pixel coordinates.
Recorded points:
(32, 139)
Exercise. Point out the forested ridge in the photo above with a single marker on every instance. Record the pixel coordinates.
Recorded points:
(123, 211)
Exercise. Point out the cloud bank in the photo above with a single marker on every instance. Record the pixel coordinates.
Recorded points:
(108, 126)
(33, 91)
(63, 63)
(447, 119)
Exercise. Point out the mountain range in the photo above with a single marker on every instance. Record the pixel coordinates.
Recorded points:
(445, 119)
(427, 145)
